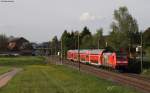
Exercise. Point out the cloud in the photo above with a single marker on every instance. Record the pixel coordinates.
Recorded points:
(87, 17)
(120, 2)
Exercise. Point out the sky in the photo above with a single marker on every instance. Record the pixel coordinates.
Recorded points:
(41, 20)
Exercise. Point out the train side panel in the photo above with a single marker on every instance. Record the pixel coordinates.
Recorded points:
(95, 56)
(70, 55)
(94, 59)
(83, 57)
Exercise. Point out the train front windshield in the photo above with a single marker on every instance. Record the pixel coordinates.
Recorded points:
(121, 56)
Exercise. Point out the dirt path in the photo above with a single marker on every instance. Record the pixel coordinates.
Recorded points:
(4, 78)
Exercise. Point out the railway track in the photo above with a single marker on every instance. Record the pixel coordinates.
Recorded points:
(140, 83)
(137, 76)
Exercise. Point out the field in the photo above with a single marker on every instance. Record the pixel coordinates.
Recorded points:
(38, 77)
(146, 73)
(146, 70)
(4, 69)
(21, 61)
(146, 67)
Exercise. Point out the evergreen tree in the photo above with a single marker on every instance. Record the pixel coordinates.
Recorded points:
(55, 45)
(66, 41)
(85, 32)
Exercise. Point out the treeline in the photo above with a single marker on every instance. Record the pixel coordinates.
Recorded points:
(87, 40)
(124, 34)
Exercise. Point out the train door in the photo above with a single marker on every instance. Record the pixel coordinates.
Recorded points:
(107, 59)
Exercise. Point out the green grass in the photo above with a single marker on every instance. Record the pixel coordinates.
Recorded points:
(146, 73)
(146, 69)
(21, 61)
(37, 77)
(60, 79)
(4, 70)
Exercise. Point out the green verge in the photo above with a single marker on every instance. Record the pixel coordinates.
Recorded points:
(146, 73)
(60, 79)
(21, 61)
(4, 70)
(146, 68)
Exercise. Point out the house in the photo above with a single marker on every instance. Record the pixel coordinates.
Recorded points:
(41, 49)
(18, 44)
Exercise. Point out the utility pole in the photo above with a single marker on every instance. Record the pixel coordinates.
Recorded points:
(75, 43)
(106, 44)
(98, 42)
(61, 52)
(129, 41)
(141, 52)
(79, 50)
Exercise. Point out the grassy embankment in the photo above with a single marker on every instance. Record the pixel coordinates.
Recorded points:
(146, 71)
(22, 61)
(4, 69)
(37, 77)
(8, 63)
(146, 63)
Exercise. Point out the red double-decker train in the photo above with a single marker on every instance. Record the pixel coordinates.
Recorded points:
(100, 57)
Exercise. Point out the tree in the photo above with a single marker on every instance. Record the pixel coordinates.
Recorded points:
(76, 33)
(55, 44)
(115, 38)
(73, 40)
(87, 42)
(85, 32)
(3, 42)
(125, 31)
(98, 39)
(66, 41)
(146, 37)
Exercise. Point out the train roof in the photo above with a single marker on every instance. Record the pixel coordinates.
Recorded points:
(91, 51)
(97, 51)
(81, 51)
(84, 51)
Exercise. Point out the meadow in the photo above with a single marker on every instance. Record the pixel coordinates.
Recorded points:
(39, 77)
(5, 69)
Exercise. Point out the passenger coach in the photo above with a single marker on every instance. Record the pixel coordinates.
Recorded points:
(100, 57)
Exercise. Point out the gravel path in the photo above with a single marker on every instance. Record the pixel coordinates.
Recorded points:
(4, 78)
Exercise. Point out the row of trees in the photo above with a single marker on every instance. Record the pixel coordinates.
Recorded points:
(124, 34)
(87, 40)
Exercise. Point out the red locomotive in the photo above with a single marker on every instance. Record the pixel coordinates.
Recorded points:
(100, 57)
